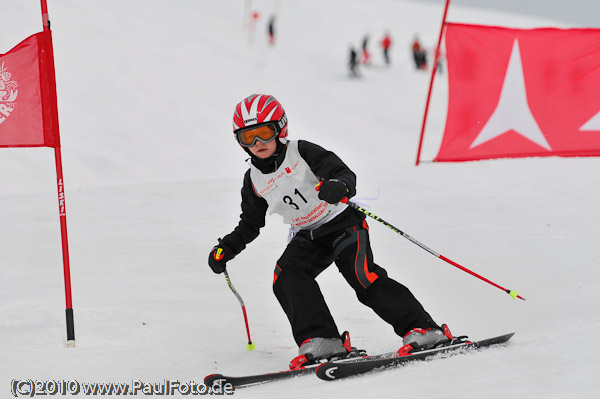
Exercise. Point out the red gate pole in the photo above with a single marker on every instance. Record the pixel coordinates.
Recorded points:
(433, 71)
(61, 193)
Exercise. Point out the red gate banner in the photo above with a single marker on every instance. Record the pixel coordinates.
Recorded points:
(29, 118)
(521, 93)
(28, 111)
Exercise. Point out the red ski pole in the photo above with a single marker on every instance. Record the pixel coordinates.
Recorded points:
(513, 294)
(250, 346)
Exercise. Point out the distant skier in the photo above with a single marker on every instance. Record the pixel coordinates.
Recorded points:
(419, 54)
(271, 30)
(439, 67)
(353, 63)
(386, 43)
(365, 56)
(283, 178)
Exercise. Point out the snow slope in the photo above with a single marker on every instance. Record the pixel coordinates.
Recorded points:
(152, 176)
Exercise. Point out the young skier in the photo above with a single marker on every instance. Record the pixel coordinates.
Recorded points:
(283, 179)
(386, 43)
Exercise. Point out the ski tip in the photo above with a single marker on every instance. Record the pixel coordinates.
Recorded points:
(326, 371)
(319, 366)
(211, 378)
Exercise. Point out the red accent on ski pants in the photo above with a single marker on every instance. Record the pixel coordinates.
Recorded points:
(300, 296)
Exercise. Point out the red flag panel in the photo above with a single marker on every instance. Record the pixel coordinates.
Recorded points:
(521, 93)
(28, 111)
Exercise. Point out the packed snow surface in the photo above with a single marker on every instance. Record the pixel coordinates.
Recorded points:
(152, 176)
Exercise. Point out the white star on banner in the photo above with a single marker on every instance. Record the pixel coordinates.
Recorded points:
(512, 111)
(592, 124)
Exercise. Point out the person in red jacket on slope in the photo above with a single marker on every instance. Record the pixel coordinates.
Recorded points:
(386, 43)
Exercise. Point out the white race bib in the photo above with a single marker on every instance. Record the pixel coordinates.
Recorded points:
(290, 192)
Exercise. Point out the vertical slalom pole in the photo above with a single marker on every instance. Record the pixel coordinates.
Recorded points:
(60, 187)
(433, 71)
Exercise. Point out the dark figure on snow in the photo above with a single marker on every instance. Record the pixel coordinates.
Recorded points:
(365, 56)
(271, 30)
(386, 43)
(305, 184)
(353, 63)
(419, 54)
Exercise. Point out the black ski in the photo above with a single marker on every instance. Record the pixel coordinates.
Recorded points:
(334, 370)
(248, 380)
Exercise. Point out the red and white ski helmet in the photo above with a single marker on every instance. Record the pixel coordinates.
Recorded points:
(258, 109)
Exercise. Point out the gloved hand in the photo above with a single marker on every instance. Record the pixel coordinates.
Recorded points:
(332, 190)
(218, 257)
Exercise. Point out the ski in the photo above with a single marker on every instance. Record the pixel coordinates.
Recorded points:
(248, 380)
(335, 370)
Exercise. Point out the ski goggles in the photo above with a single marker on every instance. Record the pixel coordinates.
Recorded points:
(264, 133)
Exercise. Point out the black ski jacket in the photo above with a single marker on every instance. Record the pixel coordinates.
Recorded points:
(324, 164)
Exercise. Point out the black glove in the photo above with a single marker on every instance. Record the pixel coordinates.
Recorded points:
(332, 190)
(218, 257)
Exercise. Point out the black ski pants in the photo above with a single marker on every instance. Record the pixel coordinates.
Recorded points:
(300, 297)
